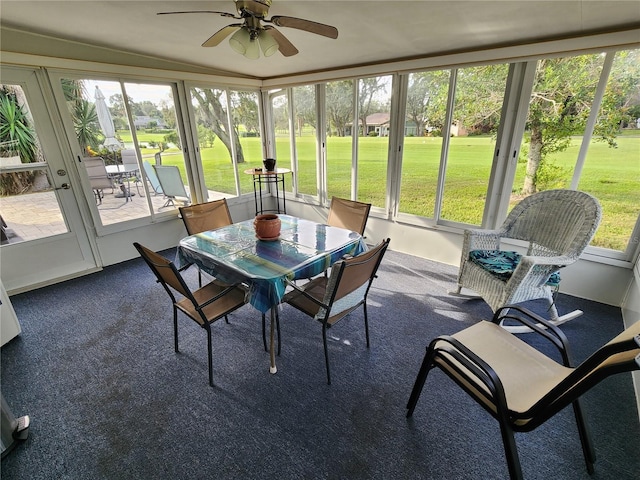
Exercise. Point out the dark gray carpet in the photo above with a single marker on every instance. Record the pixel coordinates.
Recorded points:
(109, 399)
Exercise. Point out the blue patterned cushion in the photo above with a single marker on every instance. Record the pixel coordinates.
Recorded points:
(503, 263)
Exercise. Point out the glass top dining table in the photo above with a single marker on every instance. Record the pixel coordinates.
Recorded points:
(233, 254)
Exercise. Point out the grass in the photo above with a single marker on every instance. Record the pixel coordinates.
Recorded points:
(612, 175)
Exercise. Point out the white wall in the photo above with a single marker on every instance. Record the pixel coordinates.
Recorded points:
(631, 315)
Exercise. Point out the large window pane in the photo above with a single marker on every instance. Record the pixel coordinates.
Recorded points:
(475, 120)
(339, 119)
(246, 126)
(560, 105)
(215, 139)
(423, 126)
(374, 107)
(305, 118)
(611, 169)
(282, 132)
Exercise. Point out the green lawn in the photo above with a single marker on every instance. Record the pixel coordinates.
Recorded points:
(612, 175)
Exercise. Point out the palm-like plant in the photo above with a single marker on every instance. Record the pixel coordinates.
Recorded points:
(85, 120)
(16, 130)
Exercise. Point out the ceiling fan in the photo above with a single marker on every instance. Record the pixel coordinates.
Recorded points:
(246, 36)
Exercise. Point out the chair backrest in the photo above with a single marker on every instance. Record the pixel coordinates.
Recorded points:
(621, 354)
(554, 222)
(129, 156)
(151, 175)
(170, 181)
(348, 214)
(206, 216)
(165, 271)
(350, 280)
(97, 172)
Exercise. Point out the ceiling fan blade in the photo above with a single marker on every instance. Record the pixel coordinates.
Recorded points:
(307, 25)
(224, 14)
(284, 45)
(221, 34)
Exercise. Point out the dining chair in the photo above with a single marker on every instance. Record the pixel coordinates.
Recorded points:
(557, 225)
(330, 299)
(517, 384)
(202, 217)
(348, 214)
(204, 306)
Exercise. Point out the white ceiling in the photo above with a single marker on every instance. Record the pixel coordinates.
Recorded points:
(369, 31)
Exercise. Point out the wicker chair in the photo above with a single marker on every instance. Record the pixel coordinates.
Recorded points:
(557, 225)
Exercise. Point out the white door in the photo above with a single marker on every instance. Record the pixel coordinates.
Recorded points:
(43, 235)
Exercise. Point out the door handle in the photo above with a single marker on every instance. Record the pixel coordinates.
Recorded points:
(64, 186)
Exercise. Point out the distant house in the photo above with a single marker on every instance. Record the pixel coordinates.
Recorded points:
(379, 123)
(143, 121)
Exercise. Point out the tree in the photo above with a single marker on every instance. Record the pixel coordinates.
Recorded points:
(213, 115)
(245, 110)
(339, 99)
(561, 103)
(368, 93)
(85, 122)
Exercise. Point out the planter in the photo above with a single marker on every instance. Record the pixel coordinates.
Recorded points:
(267, 226)
(269, 164)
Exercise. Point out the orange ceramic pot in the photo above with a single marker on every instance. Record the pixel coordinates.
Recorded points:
(267, 226)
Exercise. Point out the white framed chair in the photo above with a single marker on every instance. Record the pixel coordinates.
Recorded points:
(557, 225)
(172, 185)
(98, 176)
(130, 161)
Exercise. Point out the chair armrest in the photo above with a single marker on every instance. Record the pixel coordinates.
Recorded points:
(480, 369)
(539, 325)
(535, 270)
(479, 239)
(305, 294)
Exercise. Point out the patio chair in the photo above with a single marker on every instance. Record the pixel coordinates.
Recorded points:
(204, 306)
(205, 216)
(518, 385)
(348, 214)
(152, 177)
(130, 159)
(98, 177)
(329, 300)
(172, 185)
(557, 225)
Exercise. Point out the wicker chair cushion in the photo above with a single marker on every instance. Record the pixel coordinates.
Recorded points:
(502, 263)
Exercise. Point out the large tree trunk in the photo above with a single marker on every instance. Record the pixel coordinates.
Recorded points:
(533, 162)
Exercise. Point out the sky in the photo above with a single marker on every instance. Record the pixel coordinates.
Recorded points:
(138, 92)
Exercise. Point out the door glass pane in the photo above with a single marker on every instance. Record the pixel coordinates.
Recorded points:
(339, 117)
(374, 107)
(305, 118)
(424, 122)
(29, 206)
(476, 117)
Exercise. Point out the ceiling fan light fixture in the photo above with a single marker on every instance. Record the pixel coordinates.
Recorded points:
(240, 41)
(253, 50)
(268, 44)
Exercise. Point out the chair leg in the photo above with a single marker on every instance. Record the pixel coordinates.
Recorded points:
(175, 328)
(366, 322)
(326, 352)
(210, 352)
(511, 451)
(419, 383)
(585, 437)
